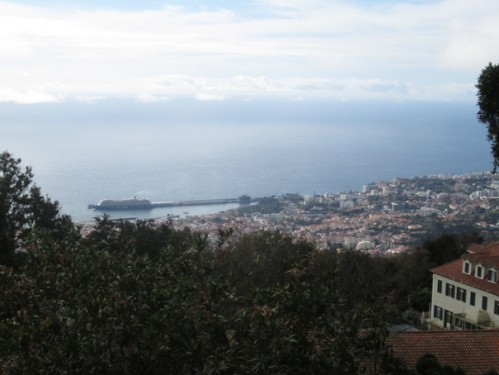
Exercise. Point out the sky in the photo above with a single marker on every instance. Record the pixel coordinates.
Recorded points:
(59, 51)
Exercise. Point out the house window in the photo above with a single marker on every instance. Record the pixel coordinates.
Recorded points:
(484, 303)
(458, 322)
(479, 272)
(469, 326)
(492, 276)
(461, 294)
(496, 307)
(439, 286)
(472, 298)
(449, 290)
(438, 312)
(448, 319)
(467, 267)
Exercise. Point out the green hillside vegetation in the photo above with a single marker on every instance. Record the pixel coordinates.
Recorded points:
(134, 298)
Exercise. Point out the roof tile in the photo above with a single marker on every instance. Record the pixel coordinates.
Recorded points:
(487, 255)
(475, 351)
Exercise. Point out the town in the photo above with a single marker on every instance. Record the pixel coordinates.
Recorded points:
(386, 217)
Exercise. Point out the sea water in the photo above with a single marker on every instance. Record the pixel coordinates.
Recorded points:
(82, 161)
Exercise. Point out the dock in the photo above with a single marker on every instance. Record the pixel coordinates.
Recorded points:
(146, 205)
(200, 202)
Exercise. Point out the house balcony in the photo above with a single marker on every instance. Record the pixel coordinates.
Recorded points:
(477, 319)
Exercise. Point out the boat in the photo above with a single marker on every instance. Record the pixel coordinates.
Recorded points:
(122, 204)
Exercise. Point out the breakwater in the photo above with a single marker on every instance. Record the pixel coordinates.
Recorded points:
(204, 202)
(145, 204)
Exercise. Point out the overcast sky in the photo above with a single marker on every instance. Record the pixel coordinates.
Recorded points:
(154, 50)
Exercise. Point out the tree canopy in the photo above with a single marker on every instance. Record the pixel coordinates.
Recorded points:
(23, 209)
(107, 305)
(488, 103)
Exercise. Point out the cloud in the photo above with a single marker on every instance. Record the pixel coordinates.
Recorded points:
(30, 96)
(472, 34)
(294, 49)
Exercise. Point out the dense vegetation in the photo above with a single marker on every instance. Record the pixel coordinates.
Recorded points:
(133, 298)
(112, 304)
(23, 210)
(488, 104)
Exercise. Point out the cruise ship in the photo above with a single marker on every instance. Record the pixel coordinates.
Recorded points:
(123, 204)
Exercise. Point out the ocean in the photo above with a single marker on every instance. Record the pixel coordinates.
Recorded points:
(79, 160)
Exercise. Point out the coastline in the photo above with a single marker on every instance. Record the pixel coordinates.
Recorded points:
(382, 218)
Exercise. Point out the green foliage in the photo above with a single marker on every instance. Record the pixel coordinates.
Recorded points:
(488, 103)
(355, 277)
(14, 200)
(23, 210)
(403, 281)
(428, 364)
(261, 260)
(136, 299)
(449, 247)
(110, 304)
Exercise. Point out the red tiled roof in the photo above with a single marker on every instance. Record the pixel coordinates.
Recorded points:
(476, 351)
(486, 255)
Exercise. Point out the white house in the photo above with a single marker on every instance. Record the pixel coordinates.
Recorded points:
(465, 292)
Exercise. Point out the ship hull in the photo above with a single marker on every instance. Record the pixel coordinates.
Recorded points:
(122, 205)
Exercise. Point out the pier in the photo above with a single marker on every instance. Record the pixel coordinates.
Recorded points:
(202, 202)
(144, 204)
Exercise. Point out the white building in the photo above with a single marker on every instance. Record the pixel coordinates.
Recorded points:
(465, 292)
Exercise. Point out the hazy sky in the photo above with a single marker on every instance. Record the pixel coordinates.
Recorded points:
(154, 50)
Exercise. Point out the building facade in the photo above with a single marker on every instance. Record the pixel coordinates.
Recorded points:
(465, 292)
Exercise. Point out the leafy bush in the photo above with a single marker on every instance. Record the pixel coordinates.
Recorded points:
(109, 305)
